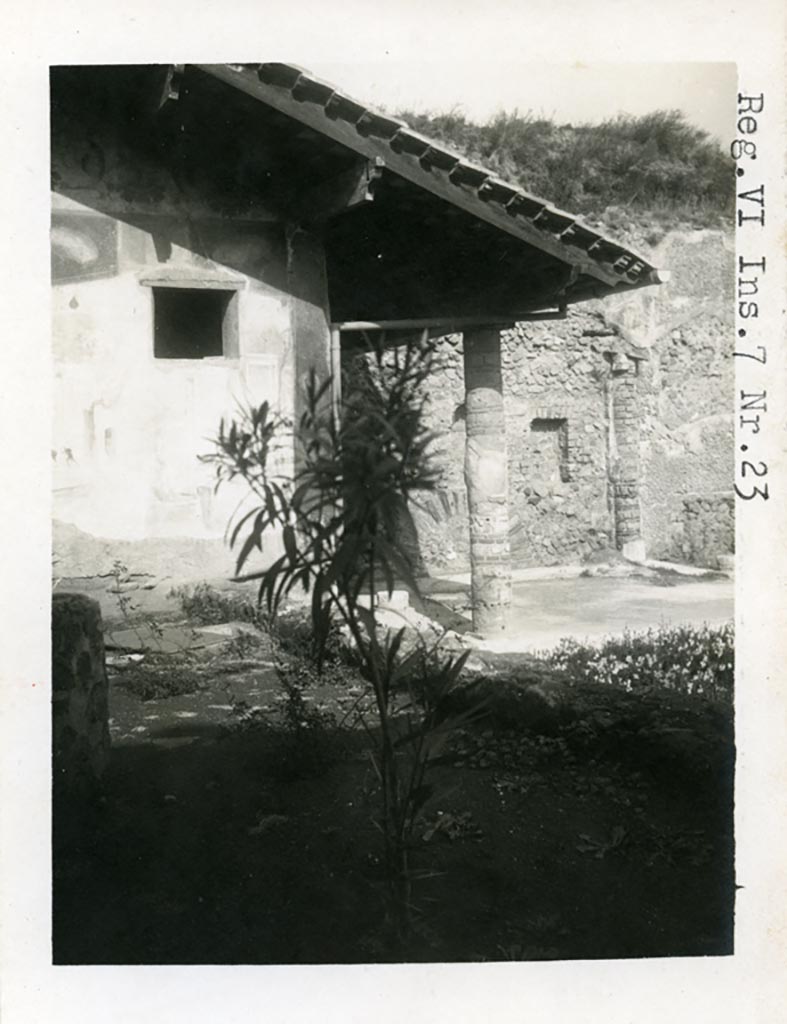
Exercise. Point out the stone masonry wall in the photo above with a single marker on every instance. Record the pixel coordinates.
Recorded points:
(687, 388)
(80, 714)
(566, 474)
(703, 531)
(556, 420)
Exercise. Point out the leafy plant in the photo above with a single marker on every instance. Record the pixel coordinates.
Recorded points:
(301, 735)
(338, 515)
(126, 604)
(156, 675)
(686, 659)
(298, 714)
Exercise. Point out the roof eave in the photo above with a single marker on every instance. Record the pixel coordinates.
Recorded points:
(429, 165)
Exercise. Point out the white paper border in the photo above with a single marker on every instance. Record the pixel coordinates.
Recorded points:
(746, 987)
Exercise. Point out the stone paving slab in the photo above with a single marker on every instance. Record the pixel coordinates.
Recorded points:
(163, 639)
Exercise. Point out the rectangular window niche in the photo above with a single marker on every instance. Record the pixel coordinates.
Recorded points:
(549, 442)
(194, 323)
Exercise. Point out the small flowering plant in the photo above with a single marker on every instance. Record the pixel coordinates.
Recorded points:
(684, 659)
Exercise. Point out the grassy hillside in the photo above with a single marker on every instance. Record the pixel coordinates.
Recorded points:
(636, 175)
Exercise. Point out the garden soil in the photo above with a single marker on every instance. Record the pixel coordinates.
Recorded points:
(221, 838)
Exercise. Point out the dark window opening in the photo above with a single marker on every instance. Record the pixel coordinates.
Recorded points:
(189, 323)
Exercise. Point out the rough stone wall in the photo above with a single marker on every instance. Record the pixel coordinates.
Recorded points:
(561, 395)
(687, 439)
(555, 377)
(556, 421)
(703, 530)
(80, 714)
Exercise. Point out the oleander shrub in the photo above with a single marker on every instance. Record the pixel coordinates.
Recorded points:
(338, 516)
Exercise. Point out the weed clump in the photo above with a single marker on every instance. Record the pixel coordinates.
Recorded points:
(208, 606)
(160, 676)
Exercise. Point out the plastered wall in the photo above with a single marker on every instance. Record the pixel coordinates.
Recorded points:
(128, 427)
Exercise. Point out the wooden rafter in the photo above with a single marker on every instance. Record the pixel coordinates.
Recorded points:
(344, 192)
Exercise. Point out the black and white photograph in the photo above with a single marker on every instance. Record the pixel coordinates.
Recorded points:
(412, 441)
(473, 698)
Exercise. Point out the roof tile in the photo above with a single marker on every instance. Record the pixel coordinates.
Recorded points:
(284, 75)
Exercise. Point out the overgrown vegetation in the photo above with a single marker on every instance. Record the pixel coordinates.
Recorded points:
(683, 659)
(651, 169)
(600, 829)
(603, 833)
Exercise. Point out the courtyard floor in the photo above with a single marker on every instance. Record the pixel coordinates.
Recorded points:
(588, 608)
(547, 610)
(548, 604)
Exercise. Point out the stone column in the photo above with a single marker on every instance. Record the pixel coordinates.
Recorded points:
(486, 478)
(626, 463)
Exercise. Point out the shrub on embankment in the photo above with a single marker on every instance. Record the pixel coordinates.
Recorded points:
(654, 169)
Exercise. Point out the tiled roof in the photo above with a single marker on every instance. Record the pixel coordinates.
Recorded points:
(294, 91)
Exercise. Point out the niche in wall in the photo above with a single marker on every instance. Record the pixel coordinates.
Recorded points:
(193, 323)
(548, 443)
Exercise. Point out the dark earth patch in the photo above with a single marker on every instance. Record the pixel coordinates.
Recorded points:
(222, 837)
